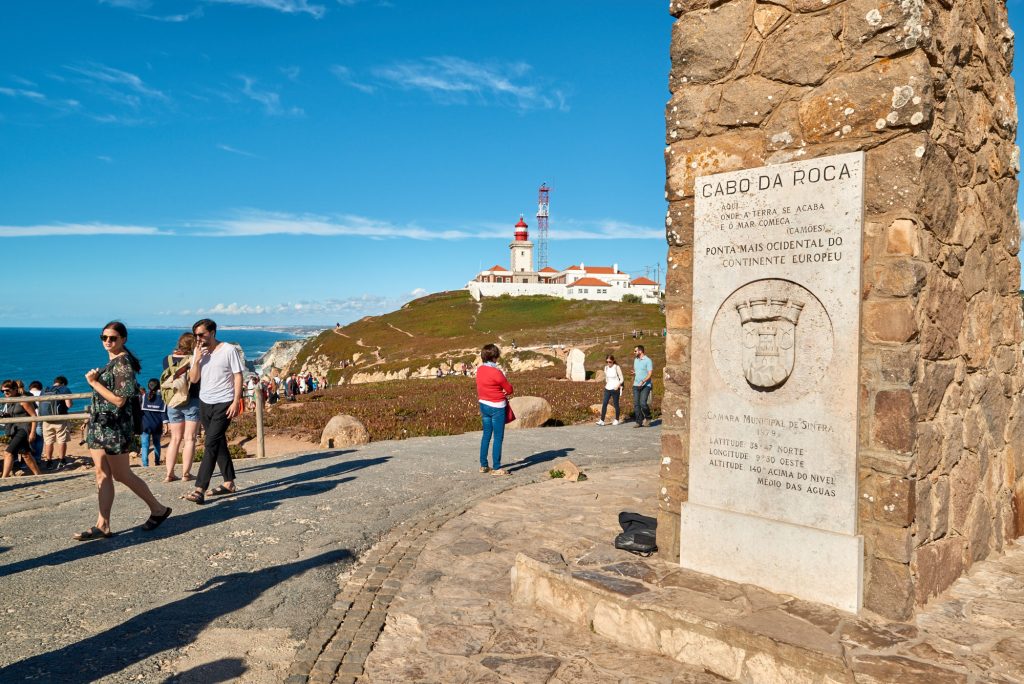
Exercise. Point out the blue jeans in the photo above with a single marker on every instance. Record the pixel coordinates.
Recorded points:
(144, 451)
(494, 423)
(613, 396)
(641, 411)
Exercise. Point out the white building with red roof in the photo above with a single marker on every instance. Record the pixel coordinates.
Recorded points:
(603, 283)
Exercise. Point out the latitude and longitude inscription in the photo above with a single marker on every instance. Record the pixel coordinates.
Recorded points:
(775, 342)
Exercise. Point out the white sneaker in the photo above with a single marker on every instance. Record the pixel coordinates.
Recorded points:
(600, 422)
(615, 422)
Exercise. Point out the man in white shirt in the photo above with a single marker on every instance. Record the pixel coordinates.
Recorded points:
(218, 368)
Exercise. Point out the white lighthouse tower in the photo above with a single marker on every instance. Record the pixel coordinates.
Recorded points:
(522, 249)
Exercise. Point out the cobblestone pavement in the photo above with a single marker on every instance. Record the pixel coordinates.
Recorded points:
(452, 619)
(235, 590)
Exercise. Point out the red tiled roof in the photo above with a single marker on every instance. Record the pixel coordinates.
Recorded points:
(643, 281)
(592, 282)
(600, 269)
(572, 268)
(548, 269)
(496, 267)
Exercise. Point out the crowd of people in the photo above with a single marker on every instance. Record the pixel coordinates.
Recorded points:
(201, 387)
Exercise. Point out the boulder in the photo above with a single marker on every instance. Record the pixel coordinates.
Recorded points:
(599, 375)
(342, 431)
(530, 412)
(571, 470)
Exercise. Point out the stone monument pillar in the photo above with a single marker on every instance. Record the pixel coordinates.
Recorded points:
(915, 424)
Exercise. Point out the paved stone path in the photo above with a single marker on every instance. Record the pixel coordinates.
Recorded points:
(242, 588)
(453, 620)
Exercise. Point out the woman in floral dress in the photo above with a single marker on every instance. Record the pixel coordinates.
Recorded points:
(110, 435)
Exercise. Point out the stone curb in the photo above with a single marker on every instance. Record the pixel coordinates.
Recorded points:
(337, 647)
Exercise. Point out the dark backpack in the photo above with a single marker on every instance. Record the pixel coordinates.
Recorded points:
(135, 406)
(55, 407)
(638, 533)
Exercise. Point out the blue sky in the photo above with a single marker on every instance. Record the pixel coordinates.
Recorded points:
(313, 161)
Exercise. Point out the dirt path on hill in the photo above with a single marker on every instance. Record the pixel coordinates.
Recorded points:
(404, 332)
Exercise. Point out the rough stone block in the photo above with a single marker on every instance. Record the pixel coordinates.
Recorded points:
(707, 43)
(937, 565)
(901, 238)
(889, 588)
(893, 422)
(889, 321)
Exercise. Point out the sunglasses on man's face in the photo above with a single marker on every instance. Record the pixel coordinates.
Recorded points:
(109, 338)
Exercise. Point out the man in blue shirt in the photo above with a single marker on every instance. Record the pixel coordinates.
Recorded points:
(643, 369)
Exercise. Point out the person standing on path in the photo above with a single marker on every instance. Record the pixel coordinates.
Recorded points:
(643, 369)
(182, 420)
(19, 435)
(493, 390)
(55, 435)
(218, 368)
(111, 435)
(613, 382)
(154, 419)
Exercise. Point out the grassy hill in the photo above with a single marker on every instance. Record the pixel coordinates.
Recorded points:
(450, 327)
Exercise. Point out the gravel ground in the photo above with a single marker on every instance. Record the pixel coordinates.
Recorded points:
(227, 591)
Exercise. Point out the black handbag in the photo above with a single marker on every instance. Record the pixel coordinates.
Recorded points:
(638, 533)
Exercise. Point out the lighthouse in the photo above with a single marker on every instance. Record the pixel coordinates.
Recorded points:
(521, 249)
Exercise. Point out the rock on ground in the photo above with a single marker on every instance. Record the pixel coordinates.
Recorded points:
(342, 431)
(530, 412)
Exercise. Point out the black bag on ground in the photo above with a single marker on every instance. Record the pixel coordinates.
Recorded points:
(638, 533)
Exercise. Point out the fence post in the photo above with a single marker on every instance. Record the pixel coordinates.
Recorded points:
(258, 397)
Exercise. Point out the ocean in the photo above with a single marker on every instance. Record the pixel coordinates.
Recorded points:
(44, 353)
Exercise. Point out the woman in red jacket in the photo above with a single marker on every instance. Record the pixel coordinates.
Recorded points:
(493, 391)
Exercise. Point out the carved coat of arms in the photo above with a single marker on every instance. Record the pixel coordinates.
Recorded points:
(769, 340)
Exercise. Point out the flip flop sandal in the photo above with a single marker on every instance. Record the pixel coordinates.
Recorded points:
(92, 533)
(154, 521)
(195, 497)
(187, 478)
(172, 478)
(221, 490)
(484, 469)
(500, 472)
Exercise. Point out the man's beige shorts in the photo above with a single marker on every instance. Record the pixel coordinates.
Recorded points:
(56, 432)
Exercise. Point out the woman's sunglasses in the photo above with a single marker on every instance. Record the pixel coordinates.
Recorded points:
(109, 338)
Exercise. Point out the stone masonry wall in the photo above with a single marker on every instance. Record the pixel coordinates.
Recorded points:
(924, 89)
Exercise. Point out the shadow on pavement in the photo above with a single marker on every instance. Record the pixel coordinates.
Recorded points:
(542, 457)
(30, 480)
(170, 626)
(301, 459)
(223, 670)
(262, 497)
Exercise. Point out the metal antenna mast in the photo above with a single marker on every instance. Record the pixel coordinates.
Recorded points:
(542, 226)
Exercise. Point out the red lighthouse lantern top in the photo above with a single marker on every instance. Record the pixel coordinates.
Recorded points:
(521, 234)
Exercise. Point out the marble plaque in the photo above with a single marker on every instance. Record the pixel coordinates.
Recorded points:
(776, 335)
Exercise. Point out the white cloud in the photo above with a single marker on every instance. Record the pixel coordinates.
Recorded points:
(175, 18)
(270, 100)
(105, 158)
(235, 150)
(286, 6)
(128, 4)
(121, 87)
(364, 305)
(39, 98)
(344, 74)
(77, 229)
(457, 80)
(253, 223)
